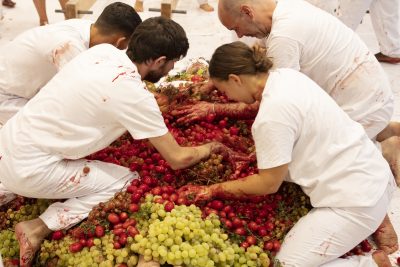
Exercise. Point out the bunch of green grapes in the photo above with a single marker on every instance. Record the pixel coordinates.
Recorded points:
(182, 237)
(9, 247)
(101, 254)
(27, 212)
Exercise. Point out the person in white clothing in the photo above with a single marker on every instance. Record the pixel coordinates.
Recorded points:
(88, 104)
(302, 136)
(385, 18)
(302, 37)
(203, 4)
(29, 61)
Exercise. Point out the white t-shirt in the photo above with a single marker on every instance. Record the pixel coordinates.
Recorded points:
(34, 57)
(92, 101)
(305, 38)
(329, 155)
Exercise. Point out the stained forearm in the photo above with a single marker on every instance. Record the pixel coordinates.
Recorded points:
(253, 185)
(237, 110)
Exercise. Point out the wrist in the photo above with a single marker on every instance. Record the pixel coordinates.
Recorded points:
(215, 190)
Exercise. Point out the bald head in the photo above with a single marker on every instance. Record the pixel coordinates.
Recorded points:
(247, 17)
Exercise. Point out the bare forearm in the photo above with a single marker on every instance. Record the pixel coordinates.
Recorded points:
(237, 110)
(253, 185)
(189, 156)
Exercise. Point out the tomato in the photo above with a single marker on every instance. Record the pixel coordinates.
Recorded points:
(99, 231)
(57, 235)
(169, 206)
(75, 247)
(113, 218)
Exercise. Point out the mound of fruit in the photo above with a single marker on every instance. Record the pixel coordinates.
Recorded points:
(148, 218)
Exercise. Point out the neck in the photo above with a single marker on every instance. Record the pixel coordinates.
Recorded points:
(96, 37)
(93, 35)
(260, 82)
(267, 9)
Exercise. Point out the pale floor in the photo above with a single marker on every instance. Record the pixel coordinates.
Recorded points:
(205, 33)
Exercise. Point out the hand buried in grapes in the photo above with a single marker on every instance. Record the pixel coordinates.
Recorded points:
(238, 161)
(191, 113)
(195, 193)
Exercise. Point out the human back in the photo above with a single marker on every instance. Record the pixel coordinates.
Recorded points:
(328, 151)
(30, 60)
(327, 50)
(35, 56)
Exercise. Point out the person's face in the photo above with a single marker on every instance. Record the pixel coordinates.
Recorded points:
(244, 24)
(156, 74)
(235, 89)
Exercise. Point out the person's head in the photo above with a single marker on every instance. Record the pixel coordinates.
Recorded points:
(239, 71)
(115, 25)
(155, 46)
(247, 17)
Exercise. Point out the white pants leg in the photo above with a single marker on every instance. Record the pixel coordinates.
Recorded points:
(9, 106)
(325, 234)
(385, 17)
(84, 183)
(5, 195)
(351, 12)
(366, 96)
(329, 6)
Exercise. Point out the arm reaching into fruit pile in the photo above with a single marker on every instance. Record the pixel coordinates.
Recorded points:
(181, 157)
(200, 110)
(265, 182)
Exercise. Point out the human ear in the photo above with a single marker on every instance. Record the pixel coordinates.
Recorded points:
(247, 11)
(160, 61)
(235, 79)
(121, 43)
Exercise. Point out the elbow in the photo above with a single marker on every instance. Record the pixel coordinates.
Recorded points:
(274, 190)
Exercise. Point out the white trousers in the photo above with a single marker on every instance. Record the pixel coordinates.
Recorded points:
(385, 17)
(5, 195)
(366, 96)
(9, 106)
(325, 234)
(83, 183)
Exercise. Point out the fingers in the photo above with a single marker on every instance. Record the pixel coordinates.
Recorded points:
(188, 119)
(194, 193)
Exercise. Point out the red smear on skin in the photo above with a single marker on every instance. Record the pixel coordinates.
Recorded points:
(28, 256)
(72, 179)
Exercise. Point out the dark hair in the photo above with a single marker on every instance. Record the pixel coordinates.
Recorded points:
(157, 37)
(237, 58)
(118, 18)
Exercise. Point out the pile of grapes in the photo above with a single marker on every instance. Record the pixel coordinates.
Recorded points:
(151, 220)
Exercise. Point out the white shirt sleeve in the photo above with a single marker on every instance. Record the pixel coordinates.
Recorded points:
(138, 113)
(275, 132)
(284, 52)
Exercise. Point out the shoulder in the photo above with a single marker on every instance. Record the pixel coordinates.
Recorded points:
(292, 18)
